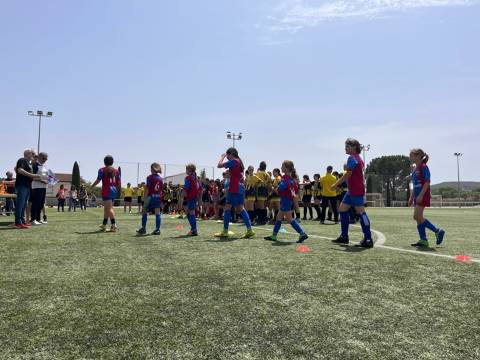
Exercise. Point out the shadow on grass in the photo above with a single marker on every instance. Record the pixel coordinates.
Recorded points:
(222, 240)
(92, 232)
(429, 249)
(350, 249)
(183, 237)
(7, 228)
(282, 243)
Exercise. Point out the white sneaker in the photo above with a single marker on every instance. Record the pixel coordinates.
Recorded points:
(43, 222)
(35, 223)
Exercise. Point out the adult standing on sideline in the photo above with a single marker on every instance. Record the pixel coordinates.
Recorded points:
(23, 183)
(83, 196)
(39, 188)
(10, 189)
(72, 199)
(329, 196)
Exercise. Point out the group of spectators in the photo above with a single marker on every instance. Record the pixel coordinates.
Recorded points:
(25, 194)
(29, 187)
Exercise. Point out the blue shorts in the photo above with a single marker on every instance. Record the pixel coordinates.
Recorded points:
(286, 204)
(153, 203)
(235, 199)
(353, 200)
(191, 204)
(107, 198)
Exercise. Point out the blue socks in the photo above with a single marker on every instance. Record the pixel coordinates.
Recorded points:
(158, 221)
(276, 228)
(421, 231)
(365, 222)
(193, 222)
(345, 222)
(144, 221)
(246, 219)
(297, 227)
(226, 219)
(430, 226)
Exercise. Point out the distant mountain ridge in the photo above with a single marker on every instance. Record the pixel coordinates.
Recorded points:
(464, 185)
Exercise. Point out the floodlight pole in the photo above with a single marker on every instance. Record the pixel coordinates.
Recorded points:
(39, 114)
(234, 137)
(364, 148)
(457, 154)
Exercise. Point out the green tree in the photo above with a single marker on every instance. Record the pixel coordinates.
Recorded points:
(446, 192)
(390, 176)
(76, 175)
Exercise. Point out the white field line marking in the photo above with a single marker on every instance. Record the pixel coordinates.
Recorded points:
(381, 239)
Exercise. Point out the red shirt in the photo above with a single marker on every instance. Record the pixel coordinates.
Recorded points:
(155, 186)
(356, 182)
(191, 187)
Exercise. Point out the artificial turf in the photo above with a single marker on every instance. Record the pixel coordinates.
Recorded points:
(68, 291)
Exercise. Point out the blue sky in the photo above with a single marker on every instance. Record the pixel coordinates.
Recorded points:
(163, 81)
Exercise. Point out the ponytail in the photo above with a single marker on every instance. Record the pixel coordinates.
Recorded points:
(421, 153)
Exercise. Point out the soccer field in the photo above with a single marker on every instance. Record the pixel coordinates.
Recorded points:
(68, 291)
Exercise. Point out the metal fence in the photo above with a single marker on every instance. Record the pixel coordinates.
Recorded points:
(137, 172)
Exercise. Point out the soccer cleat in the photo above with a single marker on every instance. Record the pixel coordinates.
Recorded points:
(192, 233)
(302, 238)
(44, 222)
(421, 244)
(271, 238)
(224, 234)
(36, 223)
(341, 240)
(103, 227)
(249, 234)
(141, 231)
(19, 226)
(156, 232)
(113, 228)
(365, 243)
(440, 234)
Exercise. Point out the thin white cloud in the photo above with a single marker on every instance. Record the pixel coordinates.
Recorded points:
(293, 15)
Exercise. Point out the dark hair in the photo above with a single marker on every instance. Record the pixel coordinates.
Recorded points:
(277, 170)
(263, 166)
(329, 168)
(316, 176)
(306, 177)
(156, 168)
(290, 167)
(108, 160)
(355, 144)
(233, 152)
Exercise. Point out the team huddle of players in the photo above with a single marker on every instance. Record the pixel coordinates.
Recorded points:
(257, 196)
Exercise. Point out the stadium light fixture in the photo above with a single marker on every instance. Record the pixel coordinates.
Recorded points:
(234, 137)
(364, 148)
(39, 114)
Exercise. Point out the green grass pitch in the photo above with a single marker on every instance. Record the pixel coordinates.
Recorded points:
(70, 292)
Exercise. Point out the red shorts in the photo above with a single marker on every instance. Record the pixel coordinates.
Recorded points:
(425, 200)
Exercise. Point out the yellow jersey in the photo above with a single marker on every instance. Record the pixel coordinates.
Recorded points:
(251, 181)
(317, 188)
(327, 182)
(128, 192)
(140, 191)
(264, 178)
